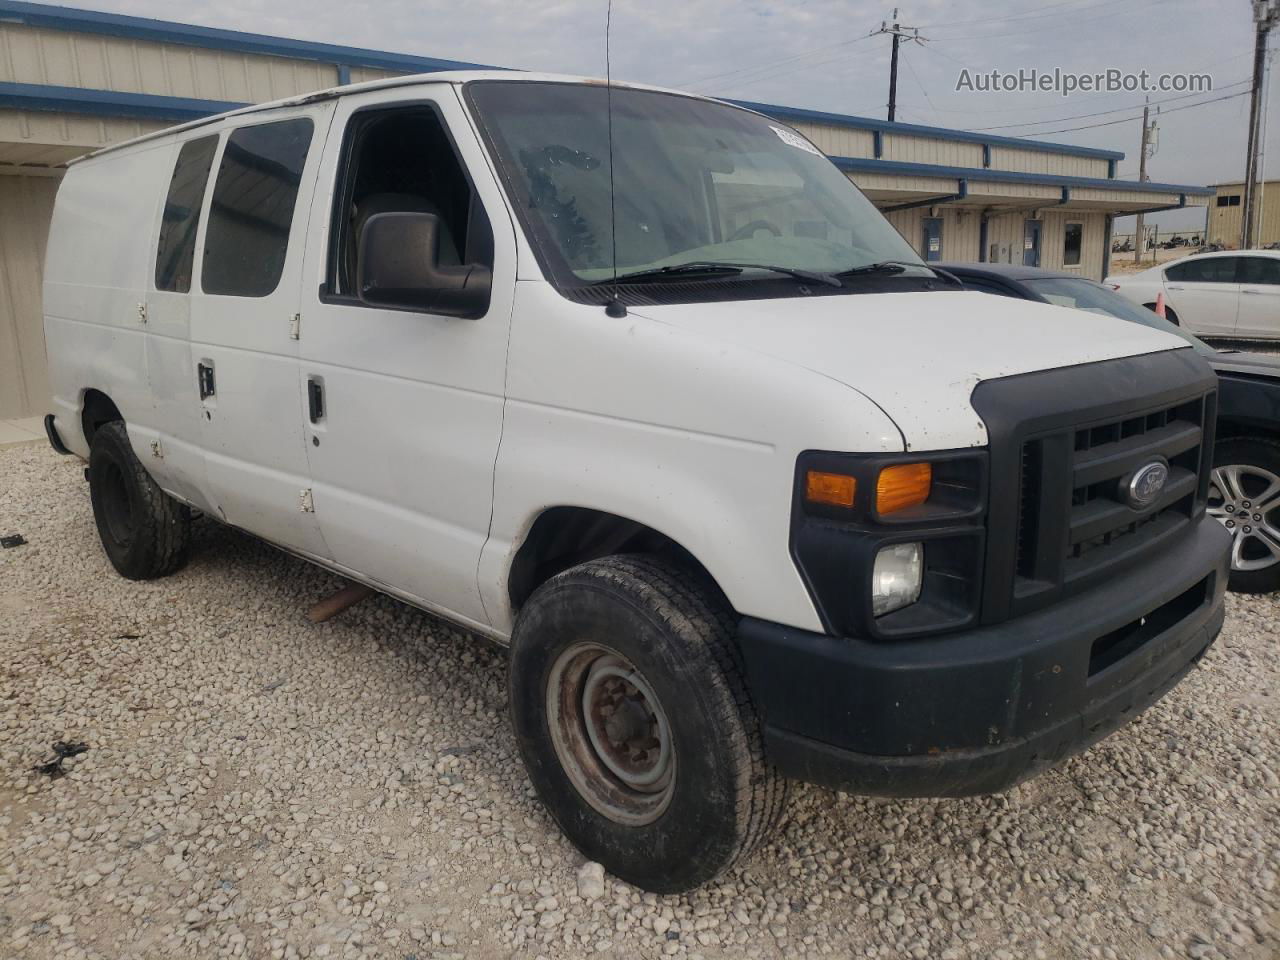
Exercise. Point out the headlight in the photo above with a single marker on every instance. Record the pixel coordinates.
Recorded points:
(896, 577)
(891, 546)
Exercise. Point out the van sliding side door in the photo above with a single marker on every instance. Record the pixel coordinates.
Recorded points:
(244, 357)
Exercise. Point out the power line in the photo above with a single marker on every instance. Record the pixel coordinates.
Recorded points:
(1110, 123)
(1023, 16)
(698, 81)
(1023, 33)
(1101, 113)
(784, 70)
(916, 77)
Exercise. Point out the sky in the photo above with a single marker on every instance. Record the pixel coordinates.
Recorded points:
(821, 54)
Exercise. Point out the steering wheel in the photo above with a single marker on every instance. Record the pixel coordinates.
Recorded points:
(749, 230)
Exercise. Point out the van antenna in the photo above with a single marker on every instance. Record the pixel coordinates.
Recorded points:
(614, 307)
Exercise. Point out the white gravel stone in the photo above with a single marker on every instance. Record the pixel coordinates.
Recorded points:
(258, 786)
(591, 881)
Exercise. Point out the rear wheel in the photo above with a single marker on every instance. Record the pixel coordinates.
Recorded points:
(1244, 495)
(634, 720)
(144, 531)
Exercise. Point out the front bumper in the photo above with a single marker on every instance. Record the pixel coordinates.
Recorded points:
(979, 711)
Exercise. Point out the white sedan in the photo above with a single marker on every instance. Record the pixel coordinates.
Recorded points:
(1229, 294)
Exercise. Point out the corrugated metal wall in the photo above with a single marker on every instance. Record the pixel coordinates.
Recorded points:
(962, 236)
(35, 55)
(26, 207)
(1224, 222)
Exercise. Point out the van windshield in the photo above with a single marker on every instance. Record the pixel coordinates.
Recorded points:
(695, 183)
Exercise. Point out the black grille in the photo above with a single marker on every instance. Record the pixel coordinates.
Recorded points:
(1061, 441)
(1100, 527)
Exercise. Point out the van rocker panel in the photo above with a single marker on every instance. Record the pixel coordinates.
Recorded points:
(978, 712)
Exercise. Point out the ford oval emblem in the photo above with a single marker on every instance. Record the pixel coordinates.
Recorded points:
(1146, 484)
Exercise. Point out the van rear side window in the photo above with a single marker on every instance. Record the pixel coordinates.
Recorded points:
(176, 250)
(252, 209)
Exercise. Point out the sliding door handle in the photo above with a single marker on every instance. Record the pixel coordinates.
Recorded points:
(204, 378)
(315, 400)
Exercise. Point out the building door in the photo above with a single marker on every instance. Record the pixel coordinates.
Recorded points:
(931, 238)
(1031, 243)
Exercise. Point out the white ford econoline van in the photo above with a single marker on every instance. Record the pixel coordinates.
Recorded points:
(777, 501)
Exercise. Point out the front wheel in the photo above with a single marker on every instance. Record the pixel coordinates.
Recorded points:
(1244, 495)
(635, 723)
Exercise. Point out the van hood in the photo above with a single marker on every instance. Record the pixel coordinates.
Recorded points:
(918, 355)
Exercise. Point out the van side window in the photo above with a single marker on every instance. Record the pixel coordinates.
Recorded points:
(176, 251)
(401, 160)
(252, 210)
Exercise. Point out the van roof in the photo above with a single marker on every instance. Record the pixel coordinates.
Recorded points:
(455, 77)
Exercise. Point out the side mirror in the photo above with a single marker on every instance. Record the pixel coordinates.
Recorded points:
(399, 266)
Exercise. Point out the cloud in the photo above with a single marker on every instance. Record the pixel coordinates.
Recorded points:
(818, 54)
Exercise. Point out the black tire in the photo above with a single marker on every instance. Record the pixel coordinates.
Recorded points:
(145, 532)
(1259, 455)
(1169, 313)
(676, 633)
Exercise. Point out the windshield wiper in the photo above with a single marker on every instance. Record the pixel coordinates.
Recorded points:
(892, 267)
(713, 268)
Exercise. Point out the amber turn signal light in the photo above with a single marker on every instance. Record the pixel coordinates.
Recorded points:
(903, 485)
(834, 489)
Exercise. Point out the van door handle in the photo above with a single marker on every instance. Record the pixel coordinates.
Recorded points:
(315, 400)
(204, 377)
(1172, 287)
(1255, 293)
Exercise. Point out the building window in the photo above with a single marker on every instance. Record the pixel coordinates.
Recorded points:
(252, 209)
(1229, 200)
(176, 250)
(1071, 245)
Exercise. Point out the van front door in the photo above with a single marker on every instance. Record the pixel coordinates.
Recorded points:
(244, 363)
(404, 407)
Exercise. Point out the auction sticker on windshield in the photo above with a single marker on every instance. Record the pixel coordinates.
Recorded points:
(795, 140)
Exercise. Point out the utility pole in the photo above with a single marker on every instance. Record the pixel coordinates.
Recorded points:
(1142, 175)
(1265, 15)
(899, 33)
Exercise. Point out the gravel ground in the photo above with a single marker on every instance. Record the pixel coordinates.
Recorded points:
(258, 786)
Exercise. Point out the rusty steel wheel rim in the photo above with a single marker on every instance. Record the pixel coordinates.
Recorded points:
(610, 734)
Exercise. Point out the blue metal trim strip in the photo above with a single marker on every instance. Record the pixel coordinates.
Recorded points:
(868, 165)
(918, 130)
(162, 31)
(108, 103)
